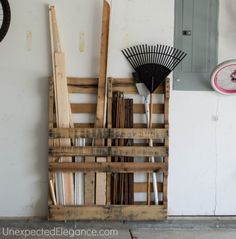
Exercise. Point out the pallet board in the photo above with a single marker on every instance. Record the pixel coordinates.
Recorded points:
(139, 210)
(112, 213)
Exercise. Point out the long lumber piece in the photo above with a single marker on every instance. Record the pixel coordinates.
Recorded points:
(64, 185)
(101, 99)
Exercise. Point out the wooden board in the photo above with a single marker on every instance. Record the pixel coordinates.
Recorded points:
(89, 182)
(91, 108)
(136, 126)
(90, 85)
(109, 133)
(101, 97)
(142, 187)
(116, 213)
(105, 151)
(63, 112)
(101, 194)
(120, 167)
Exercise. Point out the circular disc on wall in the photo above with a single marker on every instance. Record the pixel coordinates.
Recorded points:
(223, 78)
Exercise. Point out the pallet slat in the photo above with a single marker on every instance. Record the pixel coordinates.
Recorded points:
(109, 133)
(113, 151)
(142, 187)
(89, 85)
(124, 212)
(90, 108)
(108, 167)
(136, 126)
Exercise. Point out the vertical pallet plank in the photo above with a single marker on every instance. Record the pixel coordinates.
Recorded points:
(89, 184)
(101, 99)
(166, 141)
(101, 194)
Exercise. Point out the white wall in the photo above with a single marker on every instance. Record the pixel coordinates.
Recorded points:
(202, 155)
(203, 167)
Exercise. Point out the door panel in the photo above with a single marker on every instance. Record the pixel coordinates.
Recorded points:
(196, 24)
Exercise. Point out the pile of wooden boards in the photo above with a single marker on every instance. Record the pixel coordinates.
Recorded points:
(65, 188)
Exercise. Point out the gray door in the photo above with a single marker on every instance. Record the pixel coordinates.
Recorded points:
(196, 33)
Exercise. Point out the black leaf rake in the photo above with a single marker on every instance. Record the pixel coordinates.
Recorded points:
(153, 63)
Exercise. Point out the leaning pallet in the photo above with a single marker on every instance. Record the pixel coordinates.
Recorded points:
(136, 209)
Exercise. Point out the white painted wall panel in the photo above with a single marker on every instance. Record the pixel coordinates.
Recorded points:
(192, 153)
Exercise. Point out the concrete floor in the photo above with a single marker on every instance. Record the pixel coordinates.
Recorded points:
(171, 229)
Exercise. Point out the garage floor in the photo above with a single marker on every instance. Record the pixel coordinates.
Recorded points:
(171, 229)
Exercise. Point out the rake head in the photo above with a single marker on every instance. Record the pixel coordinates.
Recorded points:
(152, 64)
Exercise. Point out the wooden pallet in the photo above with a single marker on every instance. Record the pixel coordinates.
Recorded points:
(138, 211)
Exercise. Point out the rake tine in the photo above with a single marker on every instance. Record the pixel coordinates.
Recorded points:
(183, 55)
(153, 55)
(159, 53)
(151, 61)
(149, 54)
(126, 54)
(167, 56)
(152, 50)
(142, 54)
(170, 58)
(163, 54)
(175, 58)
(146, 50)
(134, 58)
(156, 54)
(170, 64)
(139, 52)
(139, 55)
(178, 56)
